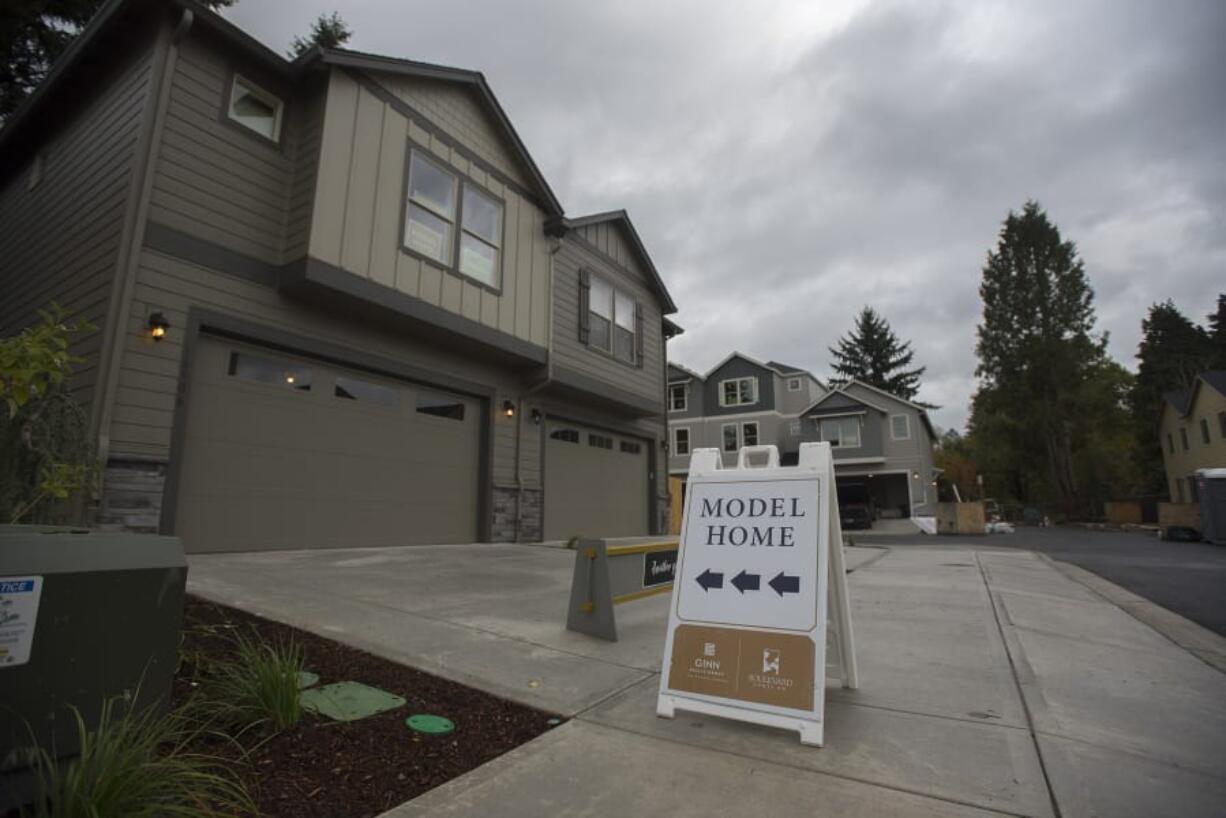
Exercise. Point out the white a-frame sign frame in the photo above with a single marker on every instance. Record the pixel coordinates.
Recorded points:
(759, 570)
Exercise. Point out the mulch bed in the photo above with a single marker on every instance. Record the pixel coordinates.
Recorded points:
(362, 768)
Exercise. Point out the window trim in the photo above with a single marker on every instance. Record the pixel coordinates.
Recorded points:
(260, 92)
(723, 440)
(757, 433)
(677, 445)
(457, 226)
(685, 398)
(905, 417)
(756, 395)
(859, 432)
(794, 384)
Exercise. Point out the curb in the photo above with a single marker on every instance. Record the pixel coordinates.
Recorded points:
(1201, 642)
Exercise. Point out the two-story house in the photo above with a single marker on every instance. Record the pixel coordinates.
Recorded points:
(337, 303)
(1192, 433)
(882, 444)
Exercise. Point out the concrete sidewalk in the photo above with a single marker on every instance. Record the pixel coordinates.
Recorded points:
(992, 683)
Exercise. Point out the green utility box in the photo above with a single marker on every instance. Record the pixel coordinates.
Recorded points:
(84, 616)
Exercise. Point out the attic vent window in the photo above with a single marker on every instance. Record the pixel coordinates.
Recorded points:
(255, 109)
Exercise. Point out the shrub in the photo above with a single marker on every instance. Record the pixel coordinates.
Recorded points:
(136, 764)
(259, 685)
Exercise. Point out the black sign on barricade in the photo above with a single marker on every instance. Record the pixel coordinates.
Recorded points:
(608, 575)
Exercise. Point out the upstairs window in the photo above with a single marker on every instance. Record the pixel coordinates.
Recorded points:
(841, 433)
(430, 216)
(1221, 422)
(900, 427)
(1183, 438)
(438, 201)
(681, 441)
(793, 384)
(678, 398)
(738, 392)
(255, 109)
(1170, 441)
(610, 319)
(1204, 431)
(481, 241)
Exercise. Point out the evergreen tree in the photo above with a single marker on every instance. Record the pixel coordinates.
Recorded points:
(1038, 355)
(1217, 334)
(872, 353)
(328, 31)
(33, 33)
(1173, 350)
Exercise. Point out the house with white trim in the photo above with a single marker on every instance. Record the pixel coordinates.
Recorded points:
(882, 444)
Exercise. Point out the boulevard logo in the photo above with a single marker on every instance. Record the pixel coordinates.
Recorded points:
(770, 668)
(770, 661)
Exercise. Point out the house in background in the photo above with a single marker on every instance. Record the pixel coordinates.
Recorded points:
(882, 444)
(382, 327)
(1192, 433)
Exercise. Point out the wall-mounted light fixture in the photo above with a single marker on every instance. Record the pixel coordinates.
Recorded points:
(158, 326)
(915, 474)
(537, 417)
(508, 408)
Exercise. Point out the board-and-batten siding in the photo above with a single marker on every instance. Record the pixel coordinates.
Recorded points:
(60, 240)
(213, 180)
(356, 223)
(149, 376)
(569, 352)
(609, 238)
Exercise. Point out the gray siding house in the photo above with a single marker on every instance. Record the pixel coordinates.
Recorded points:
(383, 329)
(882, 445)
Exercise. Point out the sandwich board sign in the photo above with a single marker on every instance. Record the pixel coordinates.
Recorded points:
(759, 572)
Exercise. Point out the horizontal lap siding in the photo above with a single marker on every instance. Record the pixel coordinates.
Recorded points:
(647, 381)
(60, 241)
(358, 207)
(213, 180)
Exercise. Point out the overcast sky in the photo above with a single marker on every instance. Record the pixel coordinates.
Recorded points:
(788, 163)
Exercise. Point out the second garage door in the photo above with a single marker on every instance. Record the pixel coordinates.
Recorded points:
(595, 483)
(282, 452)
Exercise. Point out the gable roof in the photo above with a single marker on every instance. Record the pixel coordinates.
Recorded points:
(784, 369)
(560, 225)
(1180, 400)
(90, 43)
(848, 395)
(689, 373)
(923, 413)
(743, 357)
(1184, 400)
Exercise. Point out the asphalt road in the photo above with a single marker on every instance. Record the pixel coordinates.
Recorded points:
(1187, 578)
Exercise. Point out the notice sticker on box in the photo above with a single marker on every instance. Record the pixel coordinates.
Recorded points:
(18, 615)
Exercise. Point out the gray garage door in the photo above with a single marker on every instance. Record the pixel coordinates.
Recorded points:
(595, 483)
(283, 452)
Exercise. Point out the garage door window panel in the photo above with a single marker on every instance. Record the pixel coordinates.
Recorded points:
(366, 392)
(565, 435)
(439, 406)
(600, 441)
(271, 371)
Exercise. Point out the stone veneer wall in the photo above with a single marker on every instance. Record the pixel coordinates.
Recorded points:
(132, 496)
(510, 524)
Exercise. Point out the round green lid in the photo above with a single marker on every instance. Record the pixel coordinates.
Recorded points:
(426, 723)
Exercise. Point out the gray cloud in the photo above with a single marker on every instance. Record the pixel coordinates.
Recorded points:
(787, 164)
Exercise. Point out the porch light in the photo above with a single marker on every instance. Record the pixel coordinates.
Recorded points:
(915, 475)
(158, 325)
(508, 408)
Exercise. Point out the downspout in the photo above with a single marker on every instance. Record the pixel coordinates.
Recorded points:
(133, 238)
(555, 246)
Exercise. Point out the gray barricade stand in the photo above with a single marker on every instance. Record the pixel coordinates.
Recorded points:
(608, 575)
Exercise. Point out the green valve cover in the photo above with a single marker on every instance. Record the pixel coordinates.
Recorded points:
(307, 678)
(348, 701)
(425, 723)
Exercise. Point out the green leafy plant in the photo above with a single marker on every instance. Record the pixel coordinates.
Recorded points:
(257, 686)
(46, 450)
(136, 764)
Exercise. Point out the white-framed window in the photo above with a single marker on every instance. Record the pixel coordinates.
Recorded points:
(681, 440)
(841, 433)
(480, 236)
(749, 433)
(255, 109)
(612, 320)
(429, 219)
(729, 440)
(437, 200)
(900, 427)
(738, 391)
(793, 384)
(678, 398)
(794, 427)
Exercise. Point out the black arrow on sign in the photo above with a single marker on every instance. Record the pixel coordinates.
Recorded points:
(746, 582)
(783, 584)
(708, 579)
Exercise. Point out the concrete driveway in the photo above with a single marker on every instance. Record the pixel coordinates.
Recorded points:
(992, 684)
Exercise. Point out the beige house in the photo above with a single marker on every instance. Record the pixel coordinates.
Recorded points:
(1193, 433)
(377, 325)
